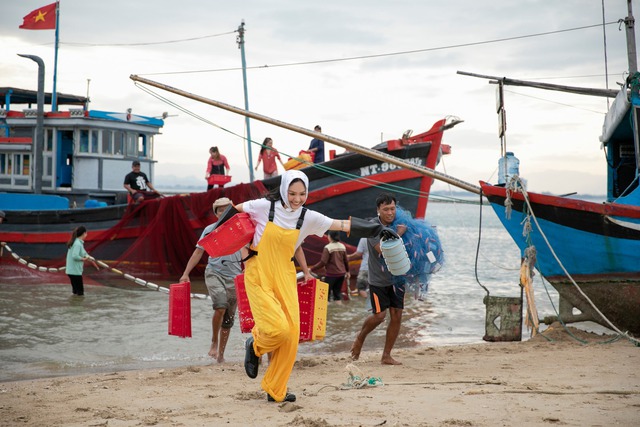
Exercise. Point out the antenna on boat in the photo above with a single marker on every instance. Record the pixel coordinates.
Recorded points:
(240, 41)
(86, 105)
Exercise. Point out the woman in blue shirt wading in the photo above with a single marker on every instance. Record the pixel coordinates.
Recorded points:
(76, 256)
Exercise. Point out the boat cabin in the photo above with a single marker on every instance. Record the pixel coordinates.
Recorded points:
(621, 139)
(85, 153)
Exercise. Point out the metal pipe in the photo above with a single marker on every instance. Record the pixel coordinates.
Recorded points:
(38, 147)
(327, 138)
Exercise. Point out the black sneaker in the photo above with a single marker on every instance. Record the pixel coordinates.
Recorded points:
(290, 397)
(251, 361)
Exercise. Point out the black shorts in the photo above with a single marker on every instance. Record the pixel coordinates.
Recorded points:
(384, 297)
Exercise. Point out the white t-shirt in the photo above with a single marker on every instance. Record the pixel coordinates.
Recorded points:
(364, 250)
(314, 222)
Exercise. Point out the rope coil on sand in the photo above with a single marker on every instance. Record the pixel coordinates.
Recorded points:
(136, 280)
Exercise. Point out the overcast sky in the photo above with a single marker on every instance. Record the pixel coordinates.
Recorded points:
(554, 135)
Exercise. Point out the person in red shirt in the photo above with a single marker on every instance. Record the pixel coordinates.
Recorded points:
(268, 156)
(217, 165)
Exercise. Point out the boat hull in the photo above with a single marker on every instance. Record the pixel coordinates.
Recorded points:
(127, 235)
(598, 245)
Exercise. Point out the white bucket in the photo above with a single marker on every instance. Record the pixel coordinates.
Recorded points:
(395, 255)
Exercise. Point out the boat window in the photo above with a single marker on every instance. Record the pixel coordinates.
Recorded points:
(118, 142)
(48, 140)
(107, 142)
(84, 141)
(142, 145)
(16, 164)
(131, 146)
(3, 163)
(93, 137)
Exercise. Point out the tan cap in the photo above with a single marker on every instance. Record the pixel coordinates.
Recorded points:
(222, 201)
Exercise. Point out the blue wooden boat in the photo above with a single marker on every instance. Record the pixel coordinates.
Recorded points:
(595, 245)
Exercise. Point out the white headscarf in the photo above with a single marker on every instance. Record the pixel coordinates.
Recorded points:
(285, 182)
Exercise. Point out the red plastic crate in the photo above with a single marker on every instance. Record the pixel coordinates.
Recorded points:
(230, 236)
(180, 309)
(218, 179)
(244, 309)
(306, 299)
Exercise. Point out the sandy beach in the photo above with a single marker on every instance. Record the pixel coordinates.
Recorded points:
(551, 379)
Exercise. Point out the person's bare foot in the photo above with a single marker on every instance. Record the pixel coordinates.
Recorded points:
(213, 351)
(220, 359)
(356, 348)
(388, 360)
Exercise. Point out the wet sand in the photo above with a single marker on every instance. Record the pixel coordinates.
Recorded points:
(543, 381)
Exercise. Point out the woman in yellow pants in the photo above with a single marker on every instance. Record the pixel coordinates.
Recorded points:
(282, 223)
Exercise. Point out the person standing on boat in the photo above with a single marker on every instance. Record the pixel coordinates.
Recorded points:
(334, 259)
(362, 283)
(268, 156)
(282, 223)
(386, 290)
(219, 278)
(217, 165)
(138, 185)
(317, 147)
(76, 256)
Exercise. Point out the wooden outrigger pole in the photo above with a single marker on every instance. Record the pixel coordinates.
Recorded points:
(384, 157)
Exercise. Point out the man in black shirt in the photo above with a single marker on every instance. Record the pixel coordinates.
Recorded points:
(138, 185)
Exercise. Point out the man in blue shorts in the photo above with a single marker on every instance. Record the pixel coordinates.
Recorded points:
(386, 291)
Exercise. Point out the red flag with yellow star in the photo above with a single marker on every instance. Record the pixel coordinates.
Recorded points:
(43, 18)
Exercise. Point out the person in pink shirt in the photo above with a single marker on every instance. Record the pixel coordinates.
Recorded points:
(217, 165)
(268, 156)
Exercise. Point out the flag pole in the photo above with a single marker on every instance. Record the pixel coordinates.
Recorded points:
(54, 94)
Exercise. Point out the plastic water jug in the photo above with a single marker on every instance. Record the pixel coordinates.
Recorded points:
(395, 255)
(512, 168)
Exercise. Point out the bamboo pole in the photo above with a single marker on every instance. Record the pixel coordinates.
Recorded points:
(384, 157)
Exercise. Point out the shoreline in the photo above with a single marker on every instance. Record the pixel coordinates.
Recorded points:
(551, 379)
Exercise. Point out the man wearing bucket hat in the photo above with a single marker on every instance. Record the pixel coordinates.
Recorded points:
(218, 277)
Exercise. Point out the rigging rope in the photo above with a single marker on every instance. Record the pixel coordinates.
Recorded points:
(517, 184)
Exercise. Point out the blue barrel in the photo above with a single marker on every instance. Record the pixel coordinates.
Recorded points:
(512, 167)
(395, 255)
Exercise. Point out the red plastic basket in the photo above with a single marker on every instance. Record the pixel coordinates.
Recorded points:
(180, 309)
(218, 179)
(244, 309)
(230, 236)
(306, 299)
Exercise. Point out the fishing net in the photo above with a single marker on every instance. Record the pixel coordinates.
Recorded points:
(158, 236)
(424, 249)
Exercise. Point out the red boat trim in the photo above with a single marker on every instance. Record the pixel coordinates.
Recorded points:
(611, 209)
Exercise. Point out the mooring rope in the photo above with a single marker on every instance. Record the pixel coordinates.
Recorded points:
(136, 280)
(520, 188)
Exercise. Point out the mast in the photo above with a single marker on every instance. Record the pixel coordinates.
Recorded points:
(54, 93)
(240, 41)
(629, 22)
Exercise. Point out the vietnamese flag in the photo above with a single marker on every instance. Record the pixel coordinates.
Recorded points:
(43, 18)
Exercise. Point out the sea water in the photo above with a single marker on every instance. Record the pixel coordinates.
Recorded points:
(44, 332)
